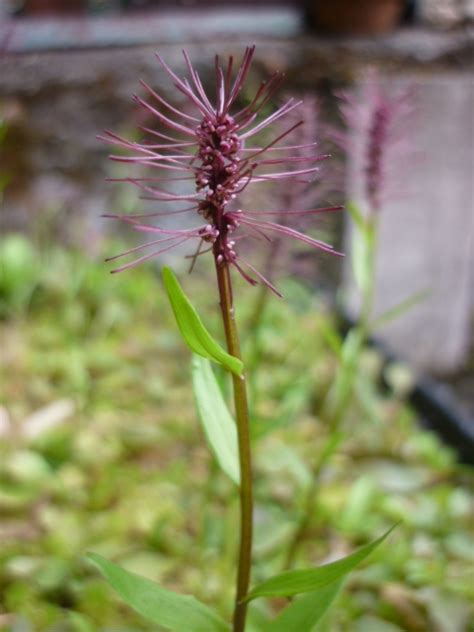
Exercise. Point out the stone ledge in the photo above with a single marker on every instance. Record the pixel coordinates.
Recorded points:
(416, 45)
(159, 27)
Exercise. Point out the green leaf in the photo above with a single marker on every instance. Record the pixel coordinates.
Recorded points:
(362, 260)
(331, 445)
(192, 329)
(331, 335)
(218, 424)
(304, 613)
(342, 387)
(80, 623)
(301, 581)
(180, 613)
(400, 309)
(356, 215)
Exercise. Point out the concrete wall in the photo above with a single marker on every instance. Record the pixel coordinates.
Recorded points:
(427, 227)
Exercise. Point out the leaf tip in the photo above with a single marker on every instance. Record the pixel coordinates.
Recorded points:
(94, 559)
(167, 274)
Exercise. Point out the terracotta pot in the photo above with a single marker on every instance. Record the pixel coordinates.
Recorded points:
(53, 7)
(355, 17)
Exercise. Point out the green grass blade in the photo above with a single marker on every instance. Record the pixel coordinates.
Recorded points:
(218, 424)
(179, 613)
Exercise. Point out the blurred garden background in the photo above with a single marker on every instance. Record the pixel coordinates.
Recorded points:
(100, 446)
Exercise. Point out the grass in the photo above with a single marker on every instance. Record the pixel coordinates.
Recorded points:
(124, 471)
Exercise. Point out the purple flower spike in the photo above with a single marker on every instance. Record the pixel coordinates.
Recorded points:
(381, 119)
(208, 148)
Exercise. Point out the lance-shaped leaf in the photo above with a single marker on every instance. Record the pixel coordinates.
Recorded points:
(308, 580)
(218, 424)
(179, 613)
(192, 329)
(304, 613)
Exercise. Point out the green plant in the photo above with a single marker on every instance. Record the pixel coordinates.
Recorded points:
(215, 158)
(375, 118)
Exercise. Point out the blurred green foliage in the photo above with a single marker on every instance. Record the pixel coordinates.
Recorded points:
(100, 450)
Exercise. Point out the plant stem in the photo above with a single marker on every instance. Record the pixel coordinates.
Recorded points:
(245, 459)
(368, 293)
(303, 522)
(333, 412)
(330, 446)
(336, 407)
